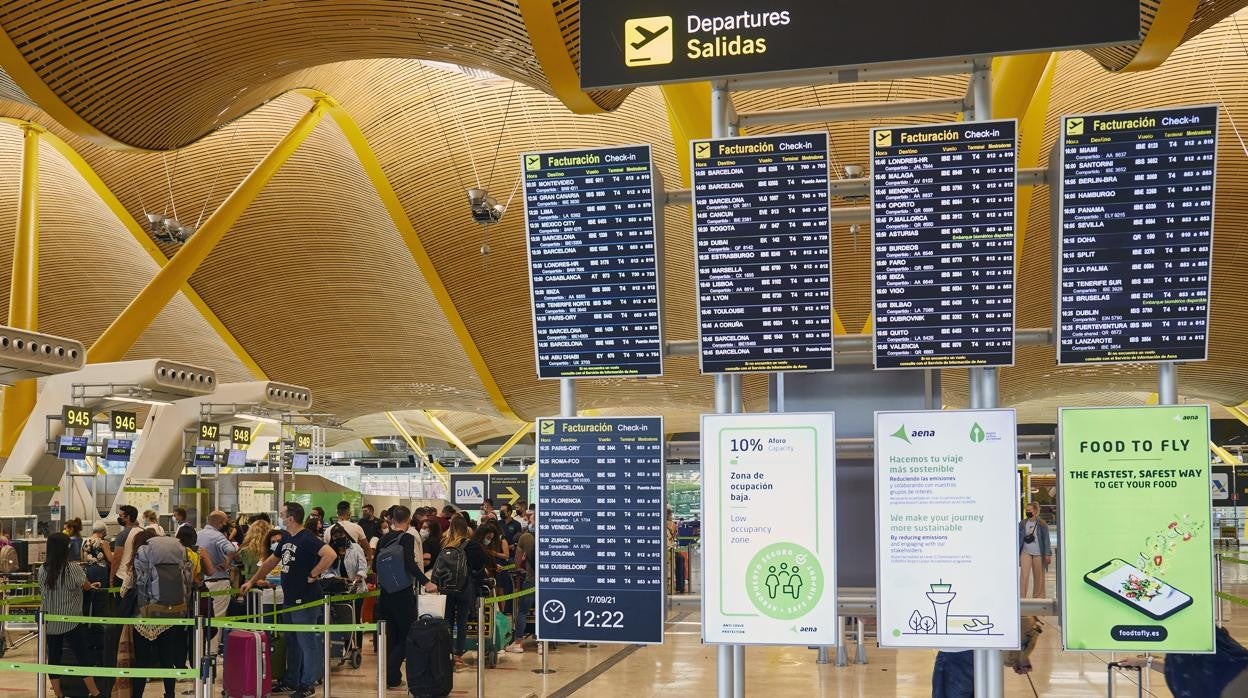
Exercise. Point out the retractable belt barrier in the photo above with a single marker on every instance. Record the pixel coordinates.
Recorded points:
(100, 672)
(220, 622)
(1232, 598)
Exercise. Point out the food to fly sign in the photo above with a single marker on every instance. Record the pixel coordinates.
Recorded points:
(637, 42)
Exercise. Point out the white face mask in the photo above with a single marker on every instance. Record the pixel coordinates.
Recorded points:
(424, 534)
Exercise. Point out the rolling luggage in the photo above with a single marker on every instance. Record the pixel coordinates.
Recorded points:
(247, 670)
(344, 646)
(101, 645)
(429, 671)
(1139, 683)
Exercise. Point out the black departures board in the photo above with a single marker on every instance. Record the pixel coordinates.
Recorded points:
(601, 539)
(762, 231)
(1136, 246)
(942, 201)
(591, 222)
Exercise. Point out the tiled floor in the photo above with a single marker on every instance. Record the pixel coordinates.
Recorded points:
(682, 666)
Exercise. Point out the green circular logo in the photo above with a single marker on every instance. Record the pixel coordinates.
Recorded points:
(784, 581)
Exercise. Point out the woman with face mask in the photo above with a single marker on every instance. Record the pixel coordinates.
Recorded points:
(431, 541)
(1035, 552)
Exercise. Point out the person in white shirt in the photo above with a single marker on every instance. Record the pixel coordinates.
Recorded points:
(354, 531)
(151, 521)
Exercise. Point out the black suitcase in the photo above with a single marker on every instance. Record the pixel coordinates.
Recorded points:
(429, 671)
(101, 645)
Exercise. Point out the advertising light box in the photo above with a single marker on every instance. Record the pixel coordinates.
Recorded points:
(1137, 549)
(769, 529)
(638, 42)
(764, 253)
(946, 529)
(1136, 248)
(592, 222)
(600, 557)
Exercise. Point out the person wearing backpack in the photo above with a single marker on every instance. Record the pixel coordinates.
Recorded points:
(397, 570)
(458, 572)
(162, 585)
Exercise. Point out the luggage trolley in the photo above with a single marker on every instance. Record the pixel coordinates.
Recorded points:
(345, 647)
(28, 631)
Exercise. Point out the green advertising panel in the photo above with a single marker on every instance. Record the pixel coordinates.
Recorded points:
(1136, 553)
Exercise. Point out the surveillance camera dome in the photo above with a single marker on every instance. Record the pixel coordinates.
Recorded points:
(853, 171)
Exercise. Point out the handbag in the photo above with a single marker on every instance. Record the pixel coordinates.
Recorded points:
(431, 605)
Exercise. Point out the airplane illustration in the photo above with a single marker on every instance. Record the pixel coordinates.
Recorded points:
(647, 36)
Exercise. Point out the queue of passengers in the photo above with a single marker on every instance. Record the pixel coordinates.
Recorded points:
(156, 573)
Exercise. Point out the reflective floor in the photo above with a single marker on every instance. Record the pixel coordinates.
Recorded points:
(682, 666)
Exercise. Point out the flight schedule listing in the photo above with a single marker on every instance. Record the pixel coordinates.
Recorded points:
(1136, 235)
(600, 556)
(942, 201)
(762, 230)
(590, 218)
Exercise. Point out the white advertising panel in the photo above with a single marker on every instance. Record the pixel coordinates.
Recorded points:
(769, 529)
(147, 493)
(947, 529)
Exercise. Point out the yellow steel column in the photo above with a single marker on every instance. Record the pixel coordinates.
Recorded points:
(451, 438)
(19, 399)
(489, 463)
(113, 344)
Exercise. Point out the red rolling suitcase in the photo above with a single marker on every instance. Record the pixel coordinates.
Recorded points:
(247, 670)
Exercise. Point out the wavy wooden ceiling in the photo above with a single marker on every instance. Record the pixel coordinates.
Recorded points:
(315, 281)
(123, 65)
(91, 267)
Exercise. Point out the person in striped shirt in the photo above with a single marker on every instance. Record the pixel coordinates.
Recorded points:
(61, 585)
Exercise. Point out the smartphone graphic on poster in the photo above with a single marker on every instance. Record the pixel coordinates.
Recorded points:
(1146, 594)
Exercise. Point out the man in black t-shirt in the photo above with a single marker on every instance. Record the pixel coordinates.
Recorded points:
(303, 559)
(511, 527)
(370, 524)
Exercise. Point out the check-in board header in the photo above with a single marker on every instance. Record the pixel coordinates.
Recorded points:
(640, 42)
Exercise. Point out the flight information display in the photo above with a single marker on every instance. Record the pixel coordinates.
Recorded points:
(591, 220)
(942, 202)
(1136, 235)
(764, 253)
(600, 556)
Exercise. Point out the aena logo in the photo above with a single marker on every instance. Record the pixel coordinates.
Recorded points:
(905, 435)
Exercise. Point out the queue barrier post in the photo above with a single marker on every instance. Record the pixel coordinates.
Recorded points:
(41, 656)
(197, 645)
(1218, 584)
(325, 652)
(821, 654)
(481, 647)
(382, 657)
(860, 639)
(842, 657)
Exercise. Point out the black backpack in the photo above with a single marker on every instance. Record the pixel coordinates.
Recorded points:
(391, 568)
(429, 671)
(450, 570)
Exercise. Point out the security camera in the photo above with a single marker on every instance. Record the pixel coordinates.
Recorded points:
(853, 171)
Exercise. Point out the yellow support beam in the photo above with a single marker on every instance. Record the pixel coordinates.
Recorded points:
(19, 398)
(1030, 135)
(411, 443)
(113, 344)
(390, 199)
(1226, 456)
(551, 51)
(1164, 36)
(451, 438)
(114, 205)
(689, 115)
(493, 459)
(1240, 412)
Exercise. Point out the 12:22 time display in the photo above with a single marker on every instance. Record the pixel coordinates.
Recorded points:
(599, 619)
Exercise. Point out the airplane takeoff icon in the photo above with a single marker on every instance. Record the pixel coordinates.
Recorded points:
(649, 41)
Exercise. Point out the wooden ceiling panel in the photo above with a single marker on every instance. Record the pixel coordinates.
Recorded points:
(90, 267)
(329, 295)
